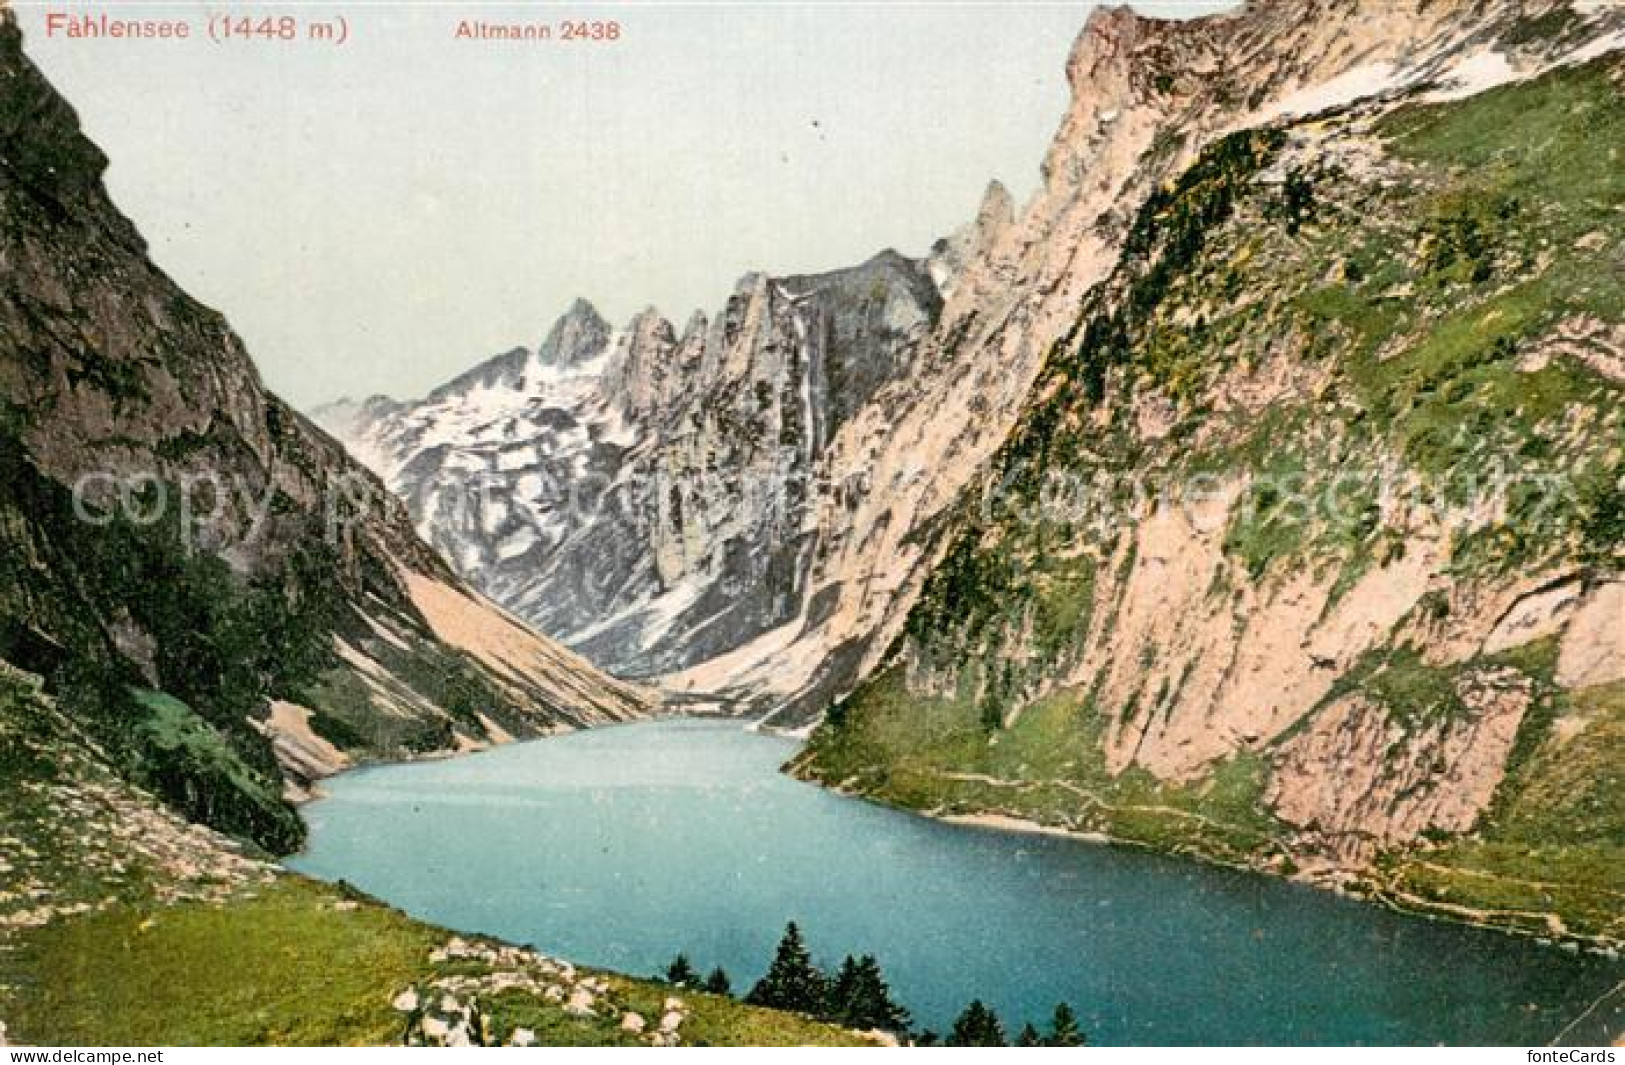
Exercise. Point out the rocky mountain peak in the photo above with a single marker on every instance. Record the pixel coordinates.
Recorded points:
(638, 366)
(1130, 73)
(342, 415)
(696, 326)
(683, 566)
(998, 209)
(579, 336)
(650, 325)
(994, 218)
(502, 371)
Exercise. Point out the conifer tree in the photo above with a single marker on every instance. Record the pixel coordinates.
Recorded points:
(718, 983)
(1063, 1028)
(681, 973)
(978, 1026)
(842, 990)
(792, 982)
(1029, 1036)
(860, 998)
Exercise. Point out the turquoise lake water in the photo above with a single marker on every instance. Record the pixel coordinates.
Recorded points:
(619, 847)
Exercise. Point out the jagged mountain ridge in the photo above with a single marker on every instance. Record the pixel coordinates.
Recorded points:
(643, 495)
(713, 596)
(211, 588)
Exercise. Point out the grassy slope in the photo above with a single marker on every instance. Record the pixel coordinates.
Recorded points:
(299, 963)
(278, 965)
(120, 923)
(1419, 297)
(1047, 767)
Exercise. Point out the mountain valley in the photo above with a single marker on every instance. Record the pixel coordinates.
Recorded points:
(1255, 493)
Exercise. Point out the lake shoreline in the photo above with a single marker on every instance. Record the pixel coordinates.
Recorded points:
(1349, 884)
(1344, 883)
(1006, 823)
(576, 818)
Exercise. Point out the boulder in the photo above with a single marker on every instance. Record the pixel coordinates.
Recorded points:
(580, 1003)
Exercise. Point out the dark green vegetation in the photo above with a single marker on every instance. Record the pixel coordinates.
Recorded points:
(979, 1026)
(681, 973)
(860, 998)
(1430, 311)
(857, 997)
(792, 981)
(74, 833)
(165, 654)
(217, 644)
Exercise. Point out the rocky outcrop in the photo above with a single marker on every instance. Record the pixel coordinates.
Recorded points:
(167, 525)
(305, 755)
(1356, 783)
(1592, 652)
(79, 837)
(447, 1011)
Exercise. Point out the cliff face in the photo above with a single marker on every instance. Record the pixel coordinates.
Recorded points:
(213, 590)
(1305, 549)
(1147, 94)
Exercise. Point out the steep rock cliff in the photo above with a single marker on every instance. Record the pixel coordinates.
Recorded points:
(1305, 550)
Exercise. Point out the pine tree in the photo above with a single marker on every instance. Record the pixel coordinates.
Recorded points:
(1063, 1028)
(1029, 1036)
(860, 998)
(792, 982)
(978, 1026)
(718, 983)
(842, 990)
(681, 973)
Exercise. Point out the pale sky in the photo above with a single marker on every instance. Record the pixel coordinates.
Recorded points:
(380, 215)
